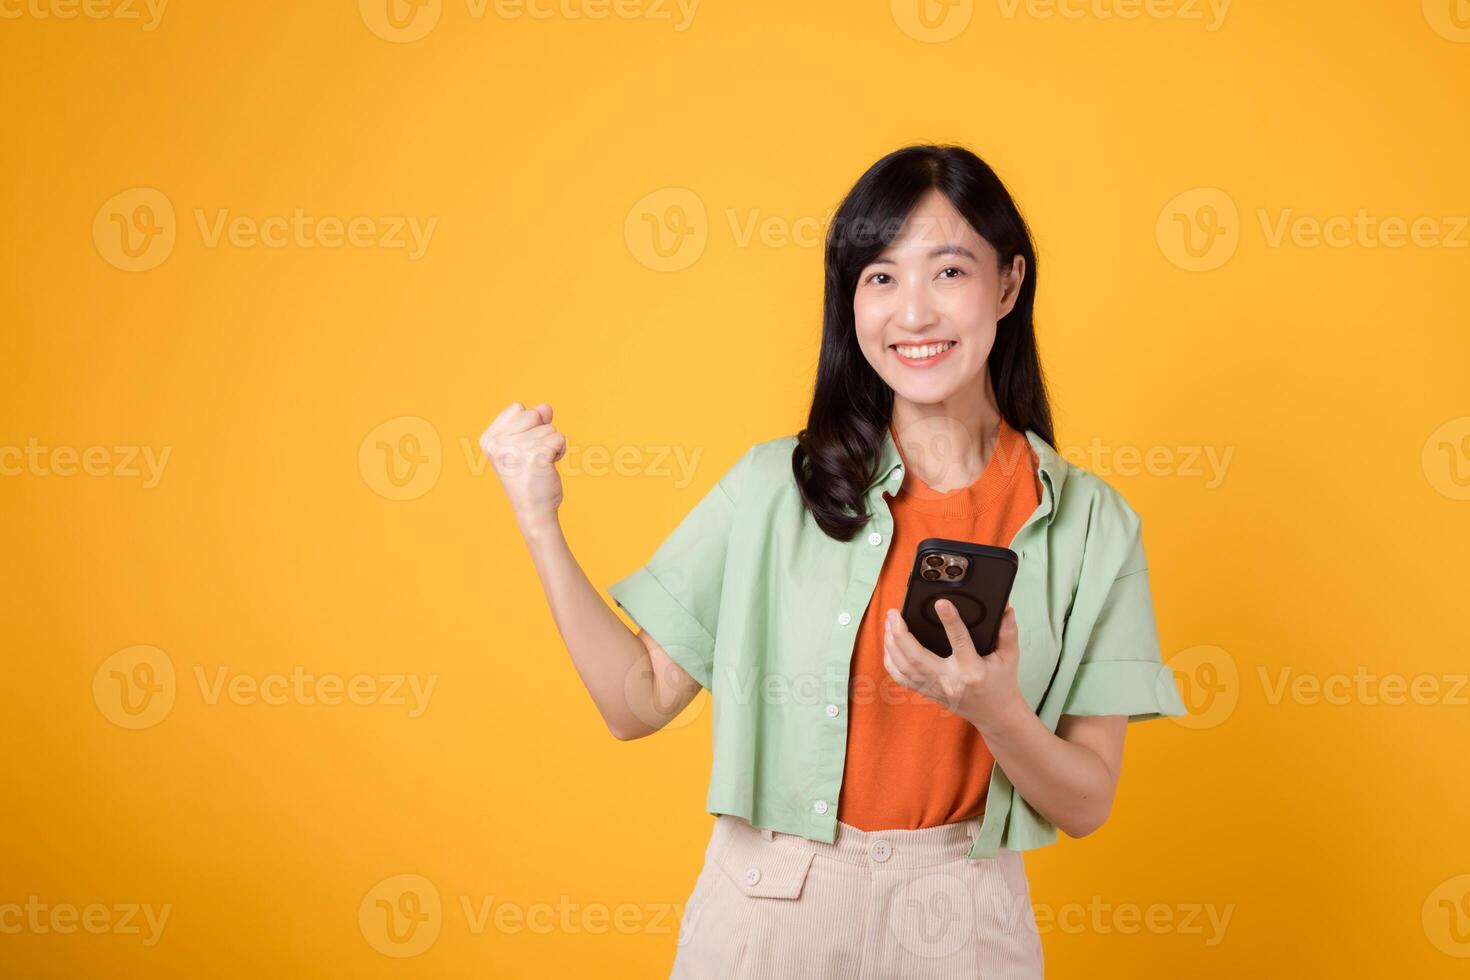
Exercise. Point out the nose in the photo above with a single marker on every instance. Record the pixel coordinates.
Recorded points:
(916, 308)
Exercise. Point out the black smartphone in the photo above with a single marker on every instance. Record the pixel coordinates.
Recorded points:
(977, 578)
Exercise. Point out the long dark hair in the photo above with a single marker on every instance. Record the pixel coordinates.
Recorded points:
(836, 455)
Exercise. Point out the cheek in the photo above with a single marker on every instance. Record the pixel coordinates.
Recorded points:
(971, 301)
(971, 311)
(868, 319)
(866, 315)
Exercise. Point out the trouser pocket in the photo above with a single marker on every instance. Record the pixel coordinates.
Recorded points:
(745, 911)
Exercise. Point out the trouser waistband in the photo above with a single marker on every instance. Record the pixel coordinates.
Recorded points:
(894, 848)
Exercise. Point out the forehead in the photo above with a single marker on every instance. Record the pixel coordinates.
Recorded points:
(935, 221)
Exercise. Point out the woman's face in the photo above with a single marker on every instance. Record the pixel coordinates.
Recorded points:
(926, 308)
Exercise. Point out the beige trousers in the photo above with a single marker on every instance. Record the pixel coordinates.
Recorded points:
(871, 905)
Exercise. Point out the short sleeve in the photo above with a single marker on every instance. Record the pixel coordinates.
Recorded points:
(1122, 670)
(675, 596)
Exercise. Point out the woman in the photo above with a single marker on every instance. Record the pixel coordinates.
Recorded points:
(872, 798)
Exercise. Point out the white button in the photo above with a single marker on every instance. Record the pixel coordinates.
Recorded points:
(831, 711)
(896, 476)
(844, 619)
(752, 875)
(875, 538)
(820, 806)
(881, 850)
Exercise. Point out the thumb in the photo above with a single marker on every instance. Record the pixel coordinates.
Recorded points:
(954, 626)
(543, 410)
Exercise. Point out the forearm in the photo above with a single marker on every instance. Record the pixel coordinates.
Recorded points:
(1068, 784)
(609, 658)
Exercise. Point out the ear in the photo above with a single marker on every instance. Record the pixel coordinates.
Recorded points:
(1010, 281)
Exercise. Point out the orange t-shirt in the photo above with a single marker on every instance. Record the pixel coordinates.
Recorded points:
(910, 762)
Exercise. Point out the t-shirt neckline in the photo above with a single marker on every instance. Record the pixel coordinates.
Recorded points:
(993, 484)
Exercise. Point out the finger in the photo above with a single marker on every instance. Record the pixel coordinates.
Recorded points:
(505, 413)
(532, 436)
(1008, 637)
(521, 420)
(896, 655)
(547, 449)
(895, 671)
(954, 627)
(545, 415)
(910, 652)
(514, 449)
(892, 622)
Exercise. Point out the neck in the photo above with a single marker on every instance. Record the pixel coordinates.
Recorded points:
(947, 444)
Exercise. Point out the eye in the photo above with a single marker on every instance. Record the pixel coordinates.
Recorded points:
(876, 275)
(950, 268)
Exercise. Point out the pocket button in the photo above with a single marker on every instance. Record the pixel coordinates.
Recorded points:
(752, 876)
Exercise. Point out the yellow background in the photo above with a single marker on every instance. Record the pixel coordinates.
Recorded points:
(544, 148)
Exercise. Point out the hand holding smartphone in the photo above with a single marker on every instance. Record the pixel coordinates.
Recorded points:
(977, 578)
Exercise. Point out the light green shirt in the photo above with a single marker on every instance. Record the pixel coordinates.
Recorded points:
(762, 608)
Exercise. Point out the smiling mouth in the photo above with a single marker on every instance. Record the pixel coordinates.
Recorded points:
(923, 352)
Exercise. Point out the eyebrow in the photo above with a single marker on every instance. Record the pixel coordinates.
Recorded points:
(948, 248)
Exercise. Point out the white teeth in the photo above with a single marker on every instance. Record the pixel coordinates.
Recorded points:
(928, 350)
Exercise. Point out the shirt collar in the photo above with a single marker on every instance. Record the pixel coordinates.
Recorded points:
(1051, 466)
